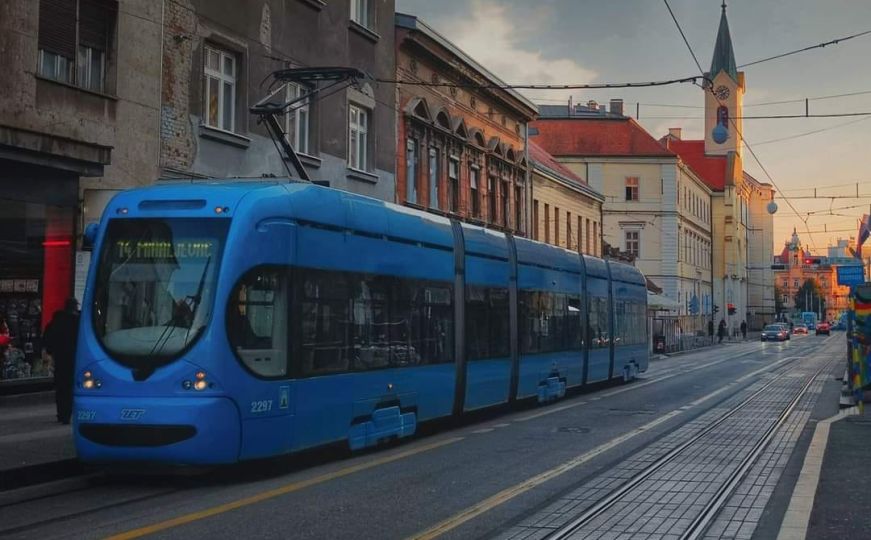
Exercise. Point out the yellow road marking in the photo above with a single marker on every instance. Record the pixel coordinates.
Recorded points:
(518, 489)
(284, 490)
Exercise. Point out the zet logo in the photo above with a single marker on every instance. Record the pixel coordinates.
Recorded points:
(132, 414)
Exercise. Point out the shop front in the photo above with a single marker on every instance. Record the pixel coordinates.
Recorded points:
(38, 210)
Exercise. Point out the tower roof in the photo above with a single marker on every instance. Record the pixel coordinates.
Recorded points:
(724, 55)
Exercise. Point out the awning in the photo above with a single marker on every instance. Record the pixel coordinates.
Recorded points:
(658, 302)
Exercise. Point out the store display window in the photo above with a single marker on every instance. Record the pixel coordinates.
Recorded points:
(36, 269)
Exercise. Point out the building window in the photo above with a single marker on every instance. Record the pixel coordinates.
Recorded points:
(454, 184)
(556, 225)
(474, 173)
(220, 87)
(633, 242)
(412, 158)
(795, 283)
(631, 188)
(569, 242)
(491, 198)
(547, 223)
(535, 216)
(358, 137)
(434, 178)
(74, 39)
(587, 244)
(518, 208)
(360, 12)
(595, 239)
(506, 203)
(296, 121)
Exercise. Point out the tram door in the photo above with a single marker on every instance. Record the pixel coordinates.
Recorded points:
(257, 326)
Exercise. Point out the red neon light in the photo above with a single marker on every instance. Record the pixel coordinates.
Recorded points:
(56, 243)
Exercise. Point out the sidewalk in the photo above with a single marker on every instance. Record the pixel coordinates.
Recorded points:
(33, 444)
(842, 505)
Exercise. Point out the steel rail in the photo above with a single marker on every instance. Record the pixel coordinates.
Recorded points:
(700, 524)
(606, 502)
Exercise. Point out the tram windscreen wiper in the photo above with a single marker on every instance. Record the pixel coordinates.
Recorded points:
(177, 315)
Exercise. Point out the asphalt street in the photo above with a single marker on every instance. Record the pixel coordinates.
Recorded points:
(479, 479)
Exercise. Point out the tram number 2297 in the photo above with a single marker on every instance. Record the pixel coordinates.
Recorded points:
(264, 405)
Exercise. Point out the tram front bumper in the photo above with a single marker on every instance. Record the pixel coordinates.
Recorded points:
(176, 431)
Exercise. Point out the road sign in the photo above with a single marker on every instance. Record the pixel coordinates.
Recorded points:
(850, 275)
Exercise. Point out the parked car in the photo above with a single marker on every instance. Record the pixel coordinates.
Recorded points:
(823, 328)
(799, 329)
(775, 332)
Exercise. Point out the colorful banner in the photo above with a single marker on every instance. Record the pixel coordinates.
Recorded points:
(860, 363)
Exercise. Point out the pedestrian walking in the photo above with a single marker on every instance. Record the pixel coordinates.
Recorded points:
(721, 331)
(744, 330)
(60, 337)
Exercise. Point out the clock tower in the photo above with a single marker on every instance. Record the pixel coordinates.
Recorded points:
(724, 100)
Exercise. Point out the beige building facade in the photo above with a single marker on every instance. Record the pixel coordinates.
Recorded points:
(566, 211)
(656, 208)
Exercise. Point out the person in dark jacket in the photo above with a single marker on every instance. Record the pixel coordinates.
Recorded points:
(61, 336)
(743, 329)
(721, 331)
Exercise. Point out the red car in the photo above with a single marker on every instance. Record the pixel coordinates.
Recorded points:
(823, 328)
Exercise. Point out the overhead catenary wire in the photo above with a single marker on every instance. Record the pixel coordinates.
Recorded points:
(805, 49)
(749, 147)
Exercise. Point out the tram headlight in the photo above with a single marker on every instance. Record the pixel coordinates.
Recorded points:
(199, 383)
(89, 382)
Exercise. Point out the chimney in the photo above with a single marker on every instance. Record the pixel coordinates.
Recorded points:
(674, 132)
(592, 105)
(617, 106)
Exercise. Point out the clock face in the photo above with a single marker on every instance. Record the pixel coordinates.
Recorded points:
(721, 92)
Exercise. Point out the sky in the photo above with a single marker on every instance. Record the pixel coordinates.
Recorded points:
(597, 41)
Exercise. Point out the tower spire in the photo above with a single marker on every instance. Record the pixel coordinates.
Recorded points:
(724, 55)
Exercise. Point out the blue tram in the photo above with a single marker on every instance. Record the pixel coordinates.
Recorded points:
(232, 321)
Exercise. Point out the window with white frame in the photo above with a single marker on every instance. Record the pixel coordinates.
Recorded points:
(631, 188)
(296, 121)
(219, 69)
(358, 137)
(435, 174)
(633, 242)
(360, 12)
(412, 158)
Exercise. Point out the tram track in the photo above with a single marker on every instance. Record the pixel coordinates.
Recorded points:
(704, 519)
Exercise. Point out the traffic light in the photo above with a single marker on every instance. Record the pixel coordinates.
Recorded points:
(716, 308)
(730, 308)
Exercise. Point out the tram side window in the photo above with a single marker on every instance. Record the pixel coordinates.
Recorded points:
(573, 323)
(598, 322)
(257, 321)
(359, 322)
(487, 327)
(621, 323)
(549, 322)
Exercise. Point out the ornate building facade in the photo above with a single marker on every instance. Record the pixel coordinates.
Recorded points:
(461, 151)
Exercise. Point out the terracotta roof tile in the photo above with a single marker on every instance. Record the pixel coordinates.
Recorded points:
(597, 137)
(711, 169)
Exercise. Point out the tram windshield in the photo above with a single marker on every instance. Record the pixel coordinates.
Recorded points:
(155, 287)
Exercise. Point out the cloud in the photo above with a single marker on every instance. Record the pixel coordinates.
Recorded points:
(489, 36)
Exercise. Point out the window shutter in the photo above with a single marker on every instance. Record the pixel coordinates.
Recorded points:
(57, 27)
(96, 20)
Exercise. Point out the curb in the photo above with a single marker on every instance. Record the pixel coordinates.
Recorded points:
(40, 473)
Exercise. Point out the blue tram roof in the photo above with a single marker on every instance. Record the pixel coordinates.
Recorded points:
(627, 274)
(349, 211)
